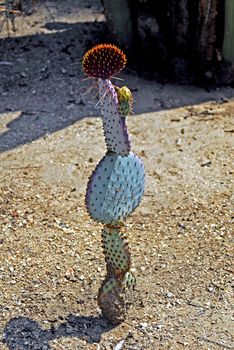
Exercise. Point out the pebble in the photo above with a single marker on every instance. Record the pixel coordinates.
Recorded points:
(169, 295)
(144, 325)
(159, 327)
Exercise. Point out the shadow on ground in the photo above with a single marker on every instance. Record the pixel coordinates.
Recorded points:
(44, 84)
(25, 334)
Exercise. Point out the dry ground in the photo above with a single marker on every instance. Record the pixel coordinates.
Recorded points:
(180, 237)
(51, 263)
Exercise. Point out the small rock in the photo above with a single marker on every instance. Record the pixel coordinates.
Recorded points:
(178, 142)
(69, 329)
(169, 295)
(159, 327)
(182, 226)
(143, 325)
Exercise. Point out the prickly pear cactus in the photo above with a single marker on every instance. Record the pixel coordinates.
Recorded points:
(116, 186)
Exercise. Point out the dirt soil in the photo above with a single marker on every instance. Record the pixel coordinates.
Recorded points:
(51, 261)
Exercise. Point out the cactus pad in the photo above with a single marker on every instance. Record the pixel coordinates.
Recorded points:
(109, 285)
(103, 61)
(116, 249)
(114, 124)
(115, 188)
(114, 300)
(119, 281)
(129, 280)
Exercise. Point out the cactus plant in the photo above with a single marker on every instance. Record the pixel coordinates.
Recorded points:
(116, 186)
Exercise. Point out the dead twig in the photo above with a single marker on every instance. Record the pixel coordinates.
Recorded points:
(48, 9)
(9, 11)
(215, 342)
(25, 167)
(195, 305)
(119, 345)
(204, 118)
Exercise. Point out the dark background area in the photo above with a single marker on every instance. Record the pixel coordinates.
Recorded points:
(43, 87)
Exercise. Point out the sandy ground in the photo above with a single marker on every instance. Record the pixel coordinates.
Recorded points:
(51, 262)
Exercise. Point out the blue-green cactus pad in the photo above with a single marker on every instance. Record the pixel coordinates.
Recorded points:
(115, 248)
(115, 188)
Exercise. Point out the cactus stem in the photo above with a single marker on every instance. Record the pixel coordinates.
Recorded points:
(114, 298)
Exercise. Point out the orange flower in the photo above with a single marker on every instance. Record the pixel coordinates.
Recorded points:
(103, 61)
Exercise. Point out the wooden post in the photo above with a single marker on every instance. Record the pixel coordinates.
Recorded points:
(228, 43)
(119, 20)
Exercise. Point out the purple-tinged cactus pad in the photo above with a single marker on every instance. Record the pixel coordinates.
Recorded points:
(114, 124)
(115, 188)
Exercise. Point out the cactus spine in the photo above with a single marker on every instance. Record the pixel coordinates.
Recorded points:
(116, 186)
